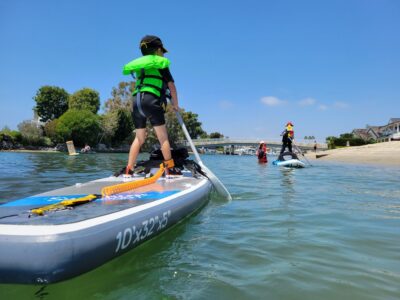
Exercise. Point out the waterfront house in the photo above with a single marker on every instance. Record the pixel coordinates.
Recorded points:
(391, 131)
(37, 120)
(385, 133)
(362, 134)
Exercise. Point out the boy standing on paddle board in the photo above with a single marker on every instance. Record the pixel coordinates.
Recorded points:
(154, 83)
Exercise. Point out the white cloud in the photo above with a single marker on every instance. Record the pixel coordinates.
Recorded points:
(225, 104)
(307, 102)
(272, 101)
(322, 107)
(340, 105)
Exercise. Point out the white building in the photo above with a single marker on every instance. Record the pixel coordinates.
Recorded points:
(385, 133)
(391, 131)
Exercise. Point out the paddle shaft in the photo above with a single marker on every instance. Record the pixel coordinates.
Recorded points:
(221, 189)
(187, 135)
(298, 149)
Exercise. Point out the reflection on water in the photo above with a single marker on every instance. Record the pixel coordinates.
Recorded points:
(288, 179)
(326, 232)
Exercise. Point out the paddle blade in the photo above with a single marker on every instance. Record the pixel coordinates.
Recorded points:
(218, 185)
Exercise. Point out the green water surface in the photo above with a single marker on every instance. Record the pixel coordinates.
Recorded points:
(331, 231)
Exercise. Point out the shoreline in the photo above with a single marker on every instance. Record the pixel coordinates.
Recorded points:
(380, 154)
(32, 151)
(384, 154)
(57, 151)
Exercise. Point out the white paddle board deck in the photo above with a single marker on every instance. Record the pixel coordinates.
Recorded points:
(65, 243)
(291, 163)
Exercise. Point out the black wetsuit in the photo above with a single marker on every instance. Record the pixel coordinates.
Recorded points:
(151, 106)
(286, 142)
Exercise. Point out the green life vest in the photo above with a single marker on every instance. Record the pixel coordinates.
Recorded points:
(146, 69)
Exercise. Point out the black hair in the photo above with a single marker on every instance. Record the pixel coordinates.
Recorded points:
(148, 51)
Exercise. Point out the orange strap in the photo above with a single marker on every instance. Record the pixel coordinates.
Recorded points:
(127, 170)
(169, 163)
(127, 186)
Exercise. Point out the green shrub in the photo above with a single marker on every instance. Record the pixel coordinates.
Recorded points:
(334, 142)
(47, 142)
(81, 126)
(50, 131)
(15, 135)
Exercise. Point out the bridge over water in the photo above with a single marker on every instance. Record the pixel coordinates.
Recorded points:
(214, 143)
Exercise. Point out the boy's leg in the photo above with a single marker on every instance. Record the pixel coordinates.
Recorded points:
(135, 147)
(283, 147)
(162, 135)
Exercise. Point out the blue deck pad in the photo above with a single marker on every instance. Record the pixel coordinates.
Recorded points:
(41, 200)
(142, 196)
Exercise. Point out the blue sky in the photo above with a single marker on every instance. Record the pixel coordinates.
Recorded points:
(246, 67)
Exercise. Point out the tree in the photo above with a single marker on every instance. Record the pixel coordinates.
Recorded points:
(204, 135)
(31, 133)
(85, 99)
(108, 123)
(346, 136)
(193, 125)
(51, 102)
(117, 122)
(81, 126)
(330, 140)
(121, 97)
(117, 126)
(216, 135)
(125, 126)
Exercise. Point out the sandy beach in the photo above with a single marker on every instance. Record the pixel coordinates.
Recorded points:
(382, 153)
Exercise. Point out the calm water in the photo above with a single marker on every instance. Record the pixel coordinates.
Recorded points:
(331, 231)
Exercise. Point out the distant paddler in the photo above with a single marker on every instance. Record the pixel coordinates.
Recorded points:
(262, 152)
(287, 137)
(86, 149)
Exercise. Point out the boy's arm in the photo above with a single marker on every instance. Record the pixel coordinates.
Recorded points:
(166, 74)
(174, 95)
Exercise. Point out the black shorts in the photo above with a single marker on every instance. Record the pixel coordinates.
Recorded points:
(150, 107)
